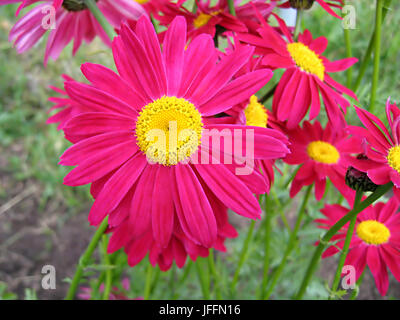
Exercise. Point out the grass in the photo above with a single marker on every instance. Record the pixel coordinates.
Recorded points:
(32, 149)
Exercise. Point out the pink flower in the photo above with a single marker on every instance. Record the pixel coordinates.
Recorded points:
(376, 241)
(115, 294)
(383, 151)
(207, 18)
(305, 77)
(322, 153)
(157, 189)
(73, 21)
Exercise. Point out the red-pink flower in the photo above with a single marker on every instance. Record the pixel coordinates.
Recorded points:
(85, 293)
(376, 241)
(207, 17)
(66, 107)
(306, 75)
(156, 188)
(383, 150)
(322, 153)
(73, 21)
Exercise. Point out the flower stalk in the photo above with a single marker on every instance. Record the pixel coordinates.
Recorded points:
(377, 53)
(380, 191)
(346, 245)
(92, 6)
(291, 244)
(84, 260)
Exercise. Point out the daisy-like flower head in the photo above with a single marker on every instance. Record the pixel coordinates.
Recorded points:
(72, 21)
(208, 17)
(307, 4)
(375, 242)
(322, 153)
(155, 185)
(383, 150)
(306, 74)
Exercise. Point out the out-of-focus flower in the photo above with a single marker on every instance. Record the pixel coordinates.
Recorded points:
(155, 189)
(306, 75)
(207, 18)
(383, 152)
(71, 21)
(322, 153)
(376, 241)
(85, 293)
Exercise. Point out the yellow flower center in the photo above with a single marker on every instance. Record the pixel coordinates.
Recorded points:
(323, 152)
(306, 59)
(203, 18)
(141, 1)
(373, 232)
(393, 158)
(168, 130)
(255, 113)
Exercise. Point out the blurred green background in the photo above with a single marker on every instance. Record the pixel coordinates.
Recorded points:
(44, 222)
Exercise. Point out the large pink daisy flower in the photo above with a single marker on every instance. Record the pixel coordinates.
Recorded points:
(306, 74)
(322, 153)
(73, 21)
(178, 90)
(376, 241)
(383, 151)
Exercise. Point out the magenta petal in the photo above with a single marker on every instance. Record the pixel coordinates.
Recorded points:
(197, 212)
(162, 216)
(378, 269)
(116, 188)
(232, 192)
(235, 92)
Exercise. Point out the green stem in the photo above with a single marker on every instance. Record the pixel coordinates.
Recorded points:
(231, 6)
(349, 54)
(355, 292)
(149, 278)
(267, 238)
(92, 6)
(242, 257)
(346, 245)
(204, 279)
(215, 275)
(367, 56)
(290, 245)
(108, 272)
(298, 23)
(84, 260)
(377, 53)
(379, 192)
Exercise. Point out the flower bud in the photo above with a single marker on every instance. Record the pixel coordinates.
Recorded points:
(301, 4)
(358, 180)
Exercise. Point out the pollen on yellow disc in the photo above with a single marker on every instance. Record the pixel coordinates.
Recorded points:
(168, 130)
(255, 113)
(141, 1)
(323, 152)
(393, 158)
(373, 232)
(203, 18)
(306, 59)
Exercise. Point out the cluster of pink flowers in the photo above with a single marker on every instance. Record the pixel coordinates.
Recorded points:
(167, 205)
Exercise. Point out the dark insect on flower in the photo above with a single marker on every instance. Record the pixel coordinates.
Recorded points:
(358, 180)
